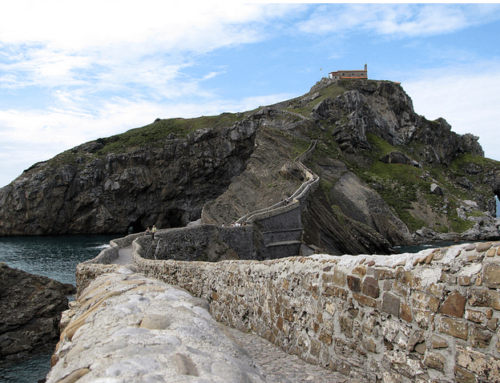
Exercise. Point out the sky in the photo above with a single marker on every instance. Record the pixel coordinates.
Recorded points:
(73, 71)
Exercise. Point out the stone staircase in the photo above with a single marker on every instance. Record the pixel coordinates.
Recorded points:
(279, 226)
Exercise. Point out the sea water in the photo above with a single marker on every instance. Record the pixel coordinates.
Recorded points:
(54, 257)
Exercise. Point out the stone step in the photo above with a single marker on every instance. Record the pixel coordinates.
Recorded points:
(284, 243)
(281, 231)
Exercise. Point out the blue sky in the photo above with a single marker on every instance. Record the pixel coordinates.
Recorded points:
(74, 71)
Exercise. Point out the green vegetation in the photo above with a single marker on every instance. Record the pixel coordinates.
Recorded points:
(161, 129)
(331, 91)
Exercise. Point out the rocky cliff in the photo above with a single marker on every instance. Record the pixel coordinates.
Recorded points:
(388, 175)
(30, 310)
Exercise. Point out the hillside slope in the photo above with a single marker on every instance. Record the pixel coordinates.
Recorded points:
(386, 173)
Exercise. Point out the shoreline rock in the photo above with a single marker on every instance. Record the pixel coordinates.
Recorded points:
(30, 311)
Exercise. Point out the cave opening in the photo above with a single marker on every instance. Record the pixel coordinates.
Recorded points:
(174, 218)
(136, 226)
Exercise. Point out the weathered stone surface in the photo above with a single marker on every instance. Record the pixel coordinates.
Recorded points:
(370, 287)
(454, 305)
(464, 376)
(435, 361)
(491, 275)
(480, 364)
(480, 337)
(406, 312)
(172, 329)
(453, 327)
(485, 298)
(438, 342)
(30, 310)
(482, 247)
(391, 304)
(354, 283)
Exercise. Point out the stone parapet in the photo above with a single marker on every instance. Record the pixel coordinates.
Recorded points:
(125, 327)
(429, 316)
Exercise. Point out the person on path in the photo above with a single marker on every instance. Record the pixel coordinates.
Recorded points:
(148, 231)
(153, 230)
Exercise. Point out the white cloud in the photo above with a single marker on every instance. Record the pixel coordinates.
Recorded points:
(466, 96)
(31, 136)
(398, 20)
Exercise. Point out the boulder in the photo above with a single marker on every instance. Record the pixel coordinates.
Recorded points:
(396, 158)
(30, 310)
(435, 189)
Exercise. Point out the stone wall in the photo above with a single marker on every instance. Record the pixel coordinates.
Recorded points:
(200, 243)
(430, 316)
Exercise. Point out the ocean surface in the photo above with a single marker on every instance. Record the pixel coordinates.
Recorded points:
(56, 258)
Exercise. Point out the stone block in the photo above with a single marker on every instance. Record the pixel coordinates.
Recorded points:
(448, 278)
(492, 324)
(367, 301)
(370, 287)
(491, 276)
(326, 338)
(480, 336)
(485, 298)
(381, 273)
(424, 301)
(315, 348)
(464, 280)
(337, 292)
(336, 277)
(464, 376)
(453, 327)
(438, 342)
(405, 312)
(435, 360)
(359, 270)
(484, 366)
(482, 247)
(391, 304)
(415, 338)
(354, 283)
(491, 252)
(474, 316)
(454, 305)
(346, 324)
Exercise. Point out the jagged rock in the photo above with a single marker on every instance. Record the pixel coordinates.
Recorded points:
(227, 169)
(30, 310)
(396, 158)
(435, 189)
(364, 205)
(166, 186)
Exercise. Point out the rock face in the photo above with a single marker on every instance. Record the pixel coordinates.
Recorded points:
(386, 170)
(165, 185)
(30, 310)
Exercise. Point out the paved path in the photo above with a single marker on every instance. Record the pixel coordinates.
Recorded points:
(275, 364)
(124, 256)
(279, 367)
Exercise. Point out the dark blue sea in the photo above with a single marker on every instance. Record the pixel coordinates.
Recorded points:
(56, 258)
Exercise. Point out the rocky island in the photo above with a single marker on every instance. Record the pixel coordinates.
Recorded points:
(388, 176)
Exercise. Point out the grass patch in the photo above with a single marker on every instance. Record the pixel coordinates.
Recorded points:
(160, 130)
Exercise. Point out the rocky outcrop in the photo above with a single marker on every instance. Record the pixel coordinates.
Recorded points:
(364, 205)
(30, 310)
(172, 172)
(165, 185)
